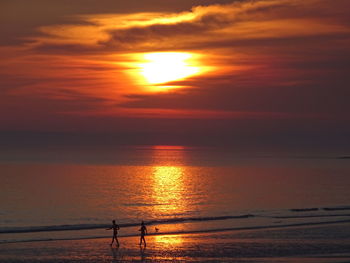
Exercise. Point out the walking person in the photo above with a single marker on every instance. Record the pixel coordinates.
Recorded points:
(115, 228)
(143, 230)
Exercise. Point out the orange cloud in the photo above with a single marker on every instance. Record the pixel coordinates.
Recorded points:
(192, 30)
(264, 52)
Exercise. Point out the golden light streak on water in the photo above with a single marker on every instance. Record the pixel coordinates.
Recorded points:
(169, 189)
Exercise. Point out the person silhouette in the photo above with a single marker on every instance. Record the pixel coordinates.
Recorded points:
(143, 230)
(115, 228)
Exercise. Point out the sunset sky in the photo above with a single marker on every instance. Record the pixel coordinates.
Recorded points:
(265, 73)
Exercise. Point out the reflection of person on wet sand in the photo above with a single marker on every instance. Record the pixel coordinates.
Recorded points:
(142, 254)
(143, 230)
(115, 228)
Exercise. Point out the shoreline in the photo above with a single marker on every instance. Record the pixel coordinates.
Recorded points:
(302, 244)
(193, 232)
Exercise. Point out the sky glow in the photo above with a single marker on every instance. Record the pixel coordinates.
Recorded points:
(268, 66)
(165, 67)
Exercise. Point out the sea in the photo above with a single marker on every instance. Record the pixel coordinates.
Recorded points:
(70, 195)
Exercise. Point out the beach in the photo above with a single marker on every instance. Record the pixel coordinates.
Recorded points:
(303, 244)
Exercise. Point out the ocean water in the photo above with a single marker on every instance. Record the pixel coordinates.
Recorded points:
(61, 194)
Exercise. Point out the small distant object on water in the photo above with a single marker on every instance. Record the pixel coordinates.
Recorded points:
(156, 229)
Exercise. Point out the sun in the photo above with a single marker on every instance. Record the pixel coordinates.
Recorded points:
(163, 67)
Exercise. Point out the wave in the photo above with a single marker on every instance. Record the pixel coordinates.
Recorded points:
(336, 208)
(33, 229)
(308, 216)
(302, 213)
(202, 231)
(303, 209)
(76, 227)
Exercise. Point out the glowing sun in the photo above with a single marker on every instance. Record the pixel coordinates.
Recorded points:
(164, 67)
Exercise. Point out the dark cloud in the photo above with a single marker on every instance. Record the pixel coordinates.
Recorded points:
(206, 21)
(71, 49)
(242, 136)
(247, 23)
(308, 100)
(19, 19)
(287, 62)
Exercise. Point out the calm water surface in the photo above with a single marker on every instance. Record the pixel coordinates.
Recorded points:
(164, 183)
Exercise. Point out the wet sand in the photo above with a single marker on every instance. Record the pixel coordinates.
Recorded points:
(324, 243)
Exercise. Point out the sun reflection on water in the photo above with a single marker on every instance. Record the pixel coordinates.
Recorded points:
(169, 189)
